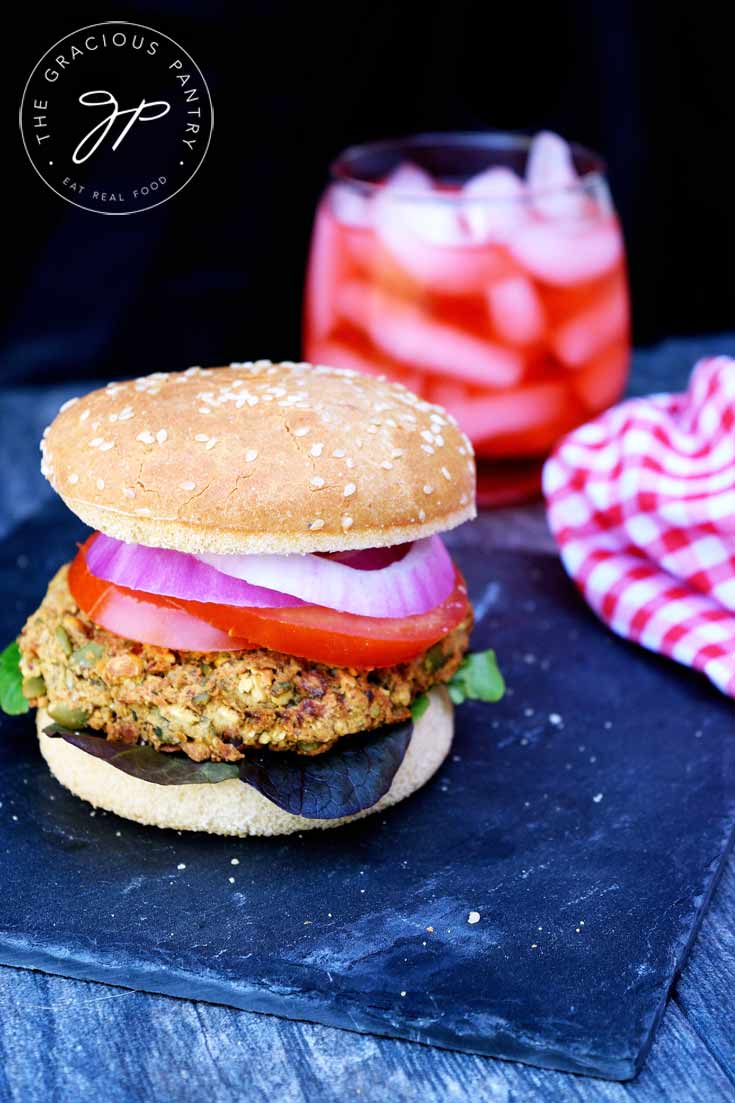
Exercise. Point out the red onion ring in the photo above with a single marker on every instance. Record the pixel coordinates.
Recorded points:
(175, 574)
(413, 584)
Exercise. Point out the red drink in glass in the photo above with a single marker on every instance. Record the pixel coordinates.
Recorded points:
(487, 273)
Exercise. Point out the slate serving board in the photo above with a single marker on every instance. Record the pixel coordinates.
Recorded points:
(585, 818)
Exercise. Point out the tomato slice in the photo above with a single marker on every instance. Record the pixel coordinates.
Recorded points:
(308, 631)
(146, 618)
(343, 639)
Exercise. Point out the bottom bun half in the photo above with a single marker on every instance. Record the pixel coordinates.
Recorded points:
(230, 807)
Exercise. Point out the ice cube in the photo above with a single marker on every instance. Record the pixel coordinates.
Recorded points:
(533, 413)
(495, 204)
(549, 163)
(424, 233)
(408, 178)
(564, 254)
(589, 332)
(516, 310)
(350, 205)
(358, 302)
(405, 332)
(602, 382)
(430, 215)
(326, 271)
(552, 179)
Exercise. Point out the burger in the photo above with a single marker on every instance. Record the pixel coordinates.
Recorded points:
(264, 632)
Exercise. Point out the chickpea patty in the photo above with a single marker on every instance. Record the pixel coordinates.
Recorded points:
(211, 705)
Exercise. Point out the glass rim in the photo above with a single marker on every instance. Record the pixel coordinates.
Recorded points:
(340, 171)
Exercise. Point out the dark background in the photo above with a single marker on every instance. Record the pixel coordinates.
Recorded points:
(216, 273)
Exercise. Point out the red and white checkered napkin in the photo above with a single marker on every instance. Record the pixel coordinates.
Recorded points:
(641, 502)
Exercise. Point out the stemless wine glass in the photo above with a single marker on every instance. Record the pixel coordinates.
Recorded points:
(487, 273)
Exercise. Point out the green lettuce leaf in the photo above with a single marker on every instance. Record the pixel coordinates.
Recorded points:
(478, 679)
(12, 700)
(419, 707)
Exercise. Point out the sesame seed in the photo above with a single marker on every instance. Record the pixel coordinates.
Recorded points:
(204, 410)
(428, 449)
(301, 431)
(397, 453)
(128, 492)
(349, 490)
(422, 515)
(145, 437)
(143, 511)
(318, 524)
(317, 481)
(188, 485)
(316, 449)
(65, 405)
(446, 474)
(251, 454)
(73, 479)
(210, 444)
(339, 453)
(473, 917)
(161, 436)
(100, 484)
(349, 462)
(347, 523)
(427, 436)
(125, 414)
(96, 442)
(84, 415)
(202, 438)
(372, 428)
(107, 445)
(387, 465)
(428, 488)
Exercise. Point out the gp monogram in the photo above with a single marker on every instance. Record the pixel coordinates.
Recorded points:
(116, 118)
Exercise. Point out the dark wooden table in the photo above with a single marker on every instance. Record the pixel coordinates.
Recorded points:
(69, 1040)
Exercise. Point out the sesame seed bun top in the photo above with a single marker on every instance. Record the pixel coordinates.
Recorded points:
(260, 457)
